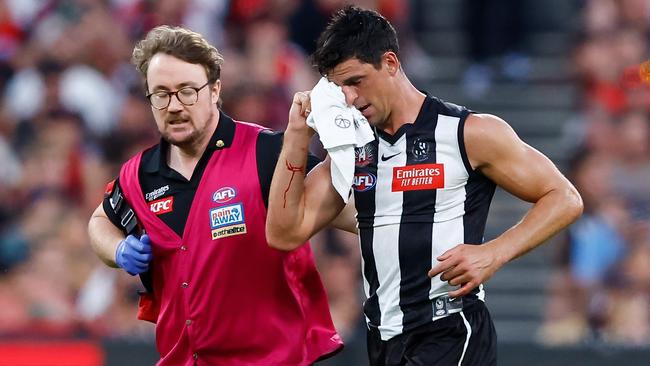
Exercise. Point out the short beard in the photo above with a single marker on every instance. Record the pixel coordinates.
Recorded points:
(184, 143)
(194, 138)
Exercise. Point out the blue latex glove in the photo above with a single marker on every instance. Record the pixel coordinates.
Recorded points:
(134, 255)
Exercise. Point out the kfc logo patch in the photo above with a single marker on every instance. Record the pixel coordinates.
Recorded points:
(161, 206)
(418, 177)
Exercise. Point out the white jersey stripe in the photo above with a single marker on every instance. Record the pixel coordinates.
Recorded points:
(385, 237)
(448, 230)
(450, 200)
(446, 235)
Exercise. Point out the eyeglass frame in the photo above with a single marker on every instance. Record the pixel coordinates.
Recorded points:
(175, 94)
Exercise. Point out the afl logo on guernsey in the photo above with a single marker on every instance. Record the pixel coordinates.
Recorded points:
(364, 182)
(224, 194)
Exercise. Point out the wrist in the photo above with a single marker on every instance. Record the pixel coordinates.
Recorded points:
(297, 139)
(116, 253)
(299, 131)
(499, 255)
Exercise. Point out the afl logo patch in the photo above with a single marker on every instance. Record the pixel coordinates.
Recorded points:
(224, 194)
(364, 182)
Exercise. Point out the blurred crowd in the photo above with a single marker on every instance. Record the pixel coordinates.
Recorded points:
(72, 110)
(602, 291)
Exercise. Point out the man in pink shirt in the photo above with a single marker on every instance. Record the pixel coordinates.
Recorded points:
(219, 295)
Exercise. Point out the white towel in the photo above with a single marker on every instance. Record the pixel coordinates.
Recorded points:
(340, 128)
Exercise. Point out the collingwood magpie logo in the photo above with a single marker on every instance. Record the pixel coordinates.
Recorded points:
(420, 150)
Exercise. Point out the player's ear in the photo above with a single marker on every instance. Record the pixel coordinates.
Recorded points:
(391, 62)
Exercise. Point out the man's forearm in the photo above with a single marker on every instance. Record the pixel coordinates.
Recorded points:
(549, 215)
(104, 237)
(286, 196)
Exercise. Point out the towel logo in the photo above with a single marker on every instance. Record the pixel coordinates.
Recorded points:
(364, 155)
(420, 150)
(341, 122)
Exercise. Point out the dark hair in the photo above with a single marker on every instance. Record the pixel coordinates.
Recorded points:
(354, 33)
(181, 43)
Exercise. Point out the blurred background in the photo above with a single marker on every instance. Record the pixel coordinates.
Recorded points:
(563, 73)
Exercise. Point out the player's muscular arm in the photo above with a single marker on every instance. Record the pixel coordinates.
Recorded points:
(299, 206)
(497, 152)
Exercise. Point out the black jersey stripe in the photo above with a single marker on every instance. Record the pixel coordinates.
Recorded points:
(365, 205)
(415, 255)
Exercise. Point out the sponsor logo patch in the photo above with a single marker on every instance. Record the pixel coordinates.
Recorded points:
(227, 221)
(418, 177)
(364, 181)
(228, 231)
(158, 192)
(162, 205)
(224, 194)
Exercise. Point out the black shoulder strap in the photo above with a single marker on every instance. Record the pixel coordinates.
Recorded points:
(129, 225)
(128, 221)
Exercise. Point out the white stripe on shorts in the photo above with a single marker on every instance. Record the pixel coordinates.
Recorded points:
(469, 334)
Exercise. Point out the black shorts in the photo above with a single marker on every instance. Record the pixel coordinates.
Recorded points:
(442, 342)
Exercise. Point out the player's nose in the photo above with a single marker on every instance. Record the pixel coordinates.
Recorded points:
(350, 94)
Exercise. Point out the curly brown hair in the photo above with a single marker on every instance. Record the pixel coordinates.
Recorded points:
(181, 43)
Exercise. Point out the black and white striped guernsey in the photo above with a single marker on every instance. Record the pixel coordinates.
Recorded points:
(416, 196)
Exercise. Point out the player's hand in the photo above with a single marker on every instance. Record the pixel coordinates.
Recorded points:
(300, 109)
(134, 255)
(466, 265)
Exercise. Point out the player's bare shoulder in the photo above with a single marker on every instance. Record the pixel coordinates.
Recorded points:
(487, 138)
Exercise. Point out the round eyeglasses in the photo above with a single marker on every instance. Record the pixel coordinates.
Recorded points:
(187, 95)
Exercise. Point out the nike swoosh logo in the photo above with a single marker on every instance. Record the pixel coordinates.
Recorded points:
(386, 158)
